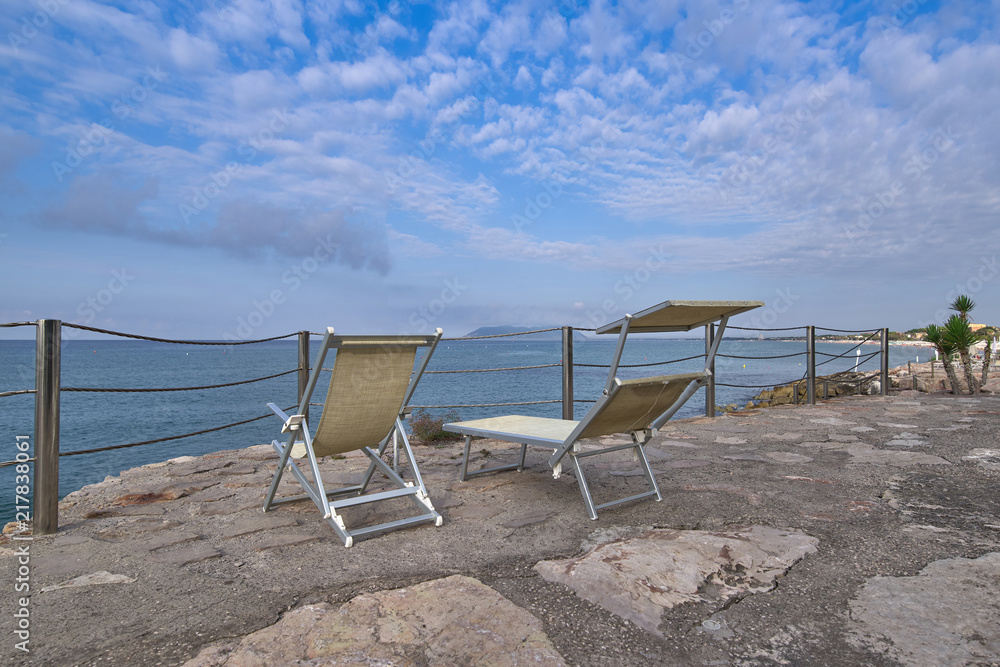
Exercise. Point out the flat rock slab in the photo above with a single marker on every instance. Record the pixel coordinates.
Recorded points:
(788, 457)
(276, 541)
(452, 621)
(640, 577)
(529, 518)
(92, 579)
(169, 539)
(257, 523)
(192, 554)
(948, 615)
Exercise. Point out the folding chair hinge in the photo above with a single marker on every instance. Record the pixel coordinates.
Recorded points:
(293, 423)
(642, 436)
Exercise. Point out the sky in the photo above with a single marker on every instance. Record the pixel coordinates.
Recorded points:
(247, 169)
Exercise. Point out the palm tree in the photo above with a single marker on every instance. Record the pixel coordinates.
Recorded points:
(962, 305)
(961, 337)
(987, 334)
(935, 336)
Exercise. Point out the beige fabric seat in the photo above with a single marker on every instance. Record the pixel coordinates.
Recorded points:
(371, 383)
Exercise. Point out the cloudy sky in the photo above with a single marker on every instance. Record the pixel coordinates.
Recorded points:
(251, 168)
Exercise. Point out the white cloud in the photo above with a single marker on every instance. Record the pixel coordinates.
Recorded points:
(524, 80)
(190, 52)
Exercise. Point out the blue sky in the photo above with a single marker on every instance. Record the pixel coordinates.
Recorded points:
(248, 169)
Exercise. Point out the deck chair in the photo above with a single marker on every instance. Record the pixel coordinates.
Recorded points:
(638, 407)
(371, 383)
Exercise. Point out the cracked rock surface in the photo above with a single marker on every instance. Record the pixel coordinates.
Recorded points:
(859, 531)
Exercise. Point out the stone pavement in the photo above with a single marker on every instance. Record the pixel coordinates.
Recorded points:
(861, 531)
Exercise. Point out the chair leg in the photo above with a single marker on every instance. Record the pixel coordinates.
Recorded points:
(465, 474)
(283, 452)
(465, 459)
(584, 489)
(648, 471)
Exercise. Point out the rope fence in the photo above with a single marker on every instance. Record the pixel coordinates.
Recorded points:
(16, 393)
(177, 342)
(48, 330)
(209, 386)
(507, 335)
(168, 438)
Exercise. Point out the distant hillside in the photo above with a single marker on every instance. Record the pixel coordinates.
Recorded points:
(545, 335)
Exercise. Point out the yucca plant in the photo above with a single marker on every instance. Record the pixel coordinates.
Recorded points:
(935, 336)
(987, 334)
(960, 335)
(962, 305)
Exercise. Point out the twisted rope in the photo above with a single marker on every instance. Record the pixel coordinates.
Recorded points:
(849, 330)
(730, 326)
(168, 340)
(172, 437)
(15, 393)
(849, 351)
(657, 363)
(490, 370)
(777, 356)
(519, 333)
(211, 386)
(482, 405)
(757, 386)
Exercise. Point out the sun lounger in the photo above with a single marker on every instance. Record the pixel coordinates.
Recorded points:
(371, 383)
(637, 407)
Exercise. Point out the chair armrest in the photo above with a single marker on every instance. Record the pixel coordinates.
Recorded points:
(292, 423)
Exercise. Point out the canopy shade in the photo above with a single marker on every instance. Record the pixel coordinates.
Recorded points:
(680, 316)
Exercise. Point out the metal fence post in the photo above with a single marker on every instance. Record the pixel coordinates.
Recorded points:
(45, 518)
(710, 385)
(303, 370)
(567, 372)
(811, 365)
(885, 362)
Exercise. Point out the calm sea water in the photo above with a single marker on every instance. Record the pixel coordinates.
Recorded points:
(90, 420)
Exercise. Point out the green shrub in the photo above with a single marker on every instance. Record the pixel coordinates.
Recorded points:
(427, 427)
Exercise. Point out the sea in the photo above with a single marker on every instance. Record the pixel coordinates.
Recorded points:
(90, 420)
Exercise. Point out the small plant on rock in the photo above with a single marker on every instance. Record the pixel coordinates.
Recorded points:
(428, 428)
(958, 332)
(935, 336)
